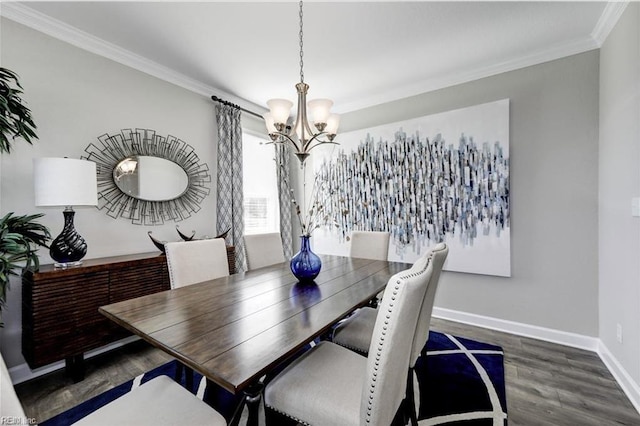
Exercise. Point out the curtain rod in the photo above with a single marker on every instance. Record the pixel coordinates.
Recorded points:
(222, 101)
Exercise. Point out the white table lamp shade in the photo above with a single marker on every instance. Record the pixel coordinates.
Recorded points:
(65, 182)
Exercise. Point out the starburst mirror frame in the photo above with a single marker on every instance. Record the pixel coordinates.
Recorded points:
(145, 142)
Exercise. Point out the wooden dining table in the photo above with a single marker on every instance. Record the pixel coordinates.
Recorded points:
(234, 330)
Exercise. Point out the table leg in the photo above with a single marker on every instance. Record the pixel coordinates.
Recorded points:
(251, 399)
(252, 396)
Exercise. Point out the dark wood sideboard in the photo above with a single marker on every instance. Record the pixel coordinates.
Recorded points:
(60, 318)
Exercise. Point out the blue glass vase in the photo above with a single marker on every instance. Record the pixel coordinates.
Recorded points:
(305, 265)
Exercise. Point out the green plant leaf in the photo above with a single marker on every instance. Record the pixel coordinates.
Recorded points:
(16, 120)
(19, 238)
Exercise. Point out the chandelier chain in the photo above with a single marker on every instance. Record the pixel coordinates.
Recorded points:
(301, 51)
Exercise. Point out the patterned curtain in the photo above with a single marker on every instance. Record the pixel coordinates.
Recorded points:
(230, 212)
(284, 196)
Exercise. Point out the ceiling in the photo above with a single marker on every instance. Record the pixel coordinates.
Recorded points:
(357, 53)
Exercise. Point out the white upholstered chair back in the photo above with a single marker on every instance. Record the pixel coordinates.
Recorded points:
(263, 250)
(369, 245)
(192, 262)
(10, 406)
(434, 260)
(391, 345)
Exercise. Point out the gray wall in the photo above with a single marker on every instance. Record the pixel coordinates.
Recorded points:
(554, 160)
(76, 96)
(619, 167)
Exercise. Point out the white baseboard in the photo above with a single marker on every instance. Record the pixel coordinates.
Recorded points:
(594, 344)
(628, 385)
(22, 373)
(547, 334)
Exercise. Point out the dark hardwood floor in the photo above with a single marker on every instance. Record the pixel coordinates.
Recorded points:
(546, 383)
(550, 384)
(46, 396)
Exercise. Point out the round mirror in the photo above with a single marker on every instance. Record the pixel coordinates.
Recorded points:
(150, 178)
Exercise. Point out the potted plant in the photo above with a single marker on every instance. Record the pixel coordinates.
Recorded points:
(19, 235)
(15, 117)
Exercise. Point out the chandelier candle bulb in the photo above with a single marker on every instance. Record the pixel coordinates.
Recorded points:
(319, 110)
(270, 123)
(332, 126)
(280, 110)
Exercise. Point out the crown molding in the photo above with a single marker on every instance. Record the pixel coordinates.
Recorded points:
(488, 70)
(609, 18)
(25, 15)
(52, 27)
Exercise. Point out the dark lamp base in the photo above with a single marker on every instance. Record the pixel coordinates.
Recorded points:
(68, 247)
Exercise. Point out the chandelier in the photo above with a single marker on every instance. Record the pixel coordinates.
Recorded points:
(302, 135)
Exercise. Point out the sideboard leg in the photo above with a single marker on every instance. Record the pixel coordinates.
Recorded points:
(74, 367)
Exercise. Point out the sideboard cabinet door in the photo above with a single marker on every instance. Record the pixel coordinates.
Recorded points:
(60, 317)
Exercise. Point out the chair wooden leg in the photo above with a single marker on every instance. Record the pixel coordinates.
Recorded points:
(410, 401)
(179, 371)
(188, 376)
(224, 402)
(400, 418)
(188, 379)
(237, 414)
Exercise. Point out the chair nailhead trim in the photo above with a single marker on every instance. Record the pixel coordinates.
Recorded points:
(171, 272)
(288, 415)
(372, 388)
(353, 348)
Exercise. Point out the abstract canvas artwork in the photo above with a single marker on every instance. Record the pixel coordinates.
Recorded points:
(438, 178)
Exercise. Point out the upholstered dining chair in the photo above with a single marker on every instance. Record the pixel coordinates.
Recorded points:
(191, 262)
(330, 384)
(369, 245)
(356, 331)
(263, 250)
(159, 401)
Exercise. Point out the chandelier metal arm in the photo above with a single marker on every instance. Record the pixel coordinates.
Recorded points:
(306, 146)
(316, 138)
(279, 135)
(320, 142)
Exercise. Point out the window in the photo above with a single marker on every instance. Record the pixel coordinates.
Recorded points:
(261, 210)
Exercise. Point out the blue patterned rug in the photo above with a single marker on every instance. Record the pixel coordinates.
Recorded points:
(460, 382)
